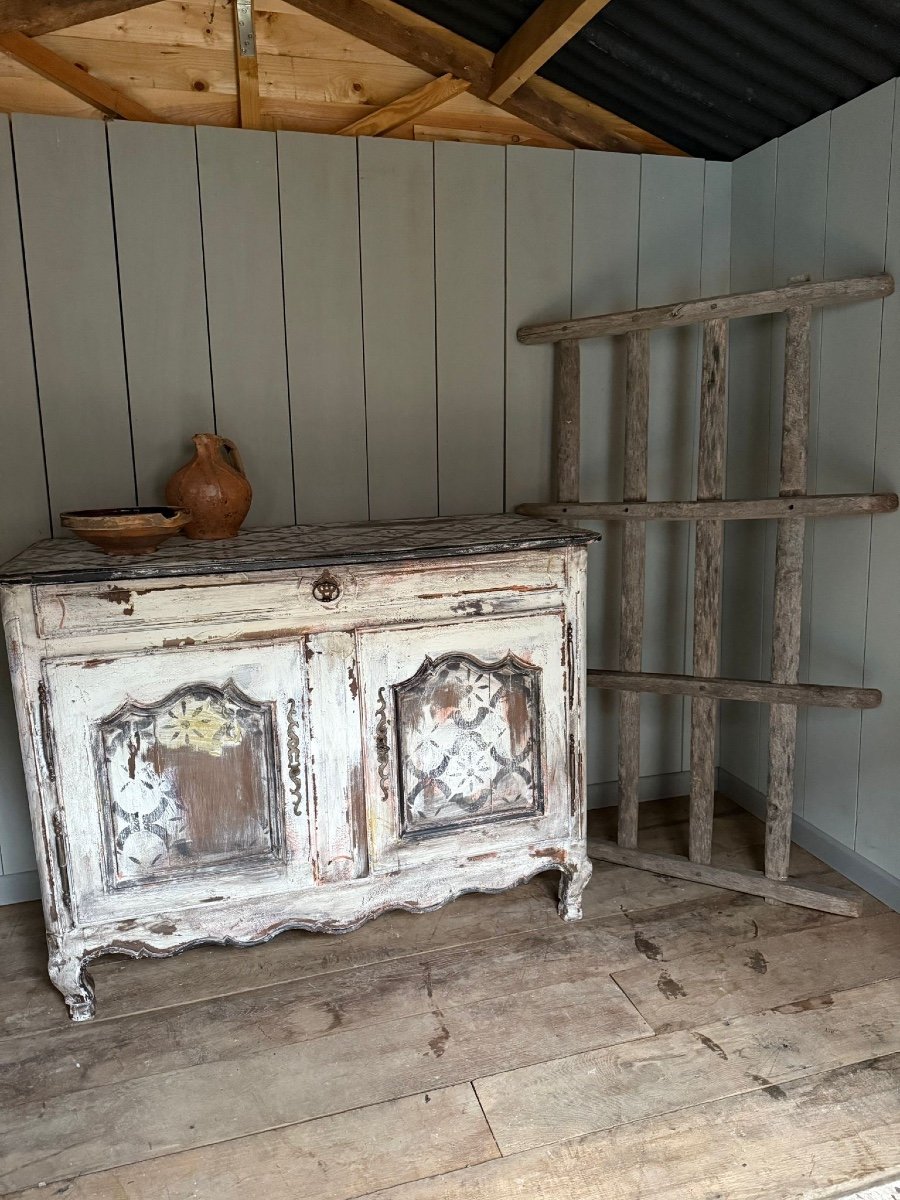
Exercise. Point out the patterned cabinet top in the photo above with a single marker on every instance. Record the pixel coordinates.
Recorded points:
(67, 560)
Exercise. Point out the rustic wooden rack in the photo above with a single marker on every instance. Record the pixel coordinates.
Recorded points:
(791, 508)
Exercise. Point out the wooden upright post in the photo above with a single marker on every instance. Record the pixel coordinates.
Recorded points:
(788, 593)
(634, 540)
(566, 421)
(708, 585)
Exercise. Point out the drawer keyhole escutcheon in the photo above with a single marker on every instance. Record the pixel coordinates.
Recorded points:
(326, 589)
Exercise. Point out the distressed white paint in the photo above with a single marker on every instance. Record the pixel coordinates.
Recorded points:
(326, 674)
(406, 386)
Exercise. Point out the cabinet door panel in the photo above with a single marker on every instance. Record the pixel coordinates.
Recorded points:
(466, 733)
(175, 769)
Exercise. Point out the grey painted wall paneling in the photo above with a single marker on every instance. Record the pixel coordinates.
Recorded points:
(858, 176)
(396, 182)
(23, 488)
(799, 250)
(539, 186)
(879, 778)
(746, 473)
(470, 296)
(242, 245)
(70, 257)
(604, 278)
(156, 205)
(671, 235)
(323, 316)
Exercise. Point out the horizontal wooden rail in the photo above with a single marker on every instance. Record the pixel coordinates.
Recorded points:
(718, 510)
(806, 895)
(742, 304)
(755, 691)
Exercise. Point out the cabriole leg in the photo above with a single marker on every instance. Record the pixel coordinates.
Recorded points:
(69, 976)
(574, 879)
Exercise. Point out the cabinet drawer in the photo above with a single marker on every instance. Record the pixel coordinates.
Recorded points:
(315, 598)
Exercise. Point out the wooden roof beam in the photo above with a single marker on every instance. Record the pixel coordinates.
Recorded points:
(34, 17)
(73, 79)
(247, 66)
(434, 49)
(407, 108)
(548, 29)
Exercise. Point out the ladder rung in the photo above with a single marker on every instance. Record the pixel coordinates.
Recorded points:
(806, 895)
(815, 695)
(717, 510)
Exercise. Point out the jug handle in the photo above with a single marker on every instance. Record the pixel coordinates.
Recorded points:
(235, 454)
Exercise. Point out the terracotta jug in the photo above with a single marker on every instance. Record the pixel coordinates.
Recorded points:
(216, 493)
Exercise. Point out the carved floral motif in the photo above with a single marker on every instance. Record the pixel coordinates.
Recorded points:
(469, 742)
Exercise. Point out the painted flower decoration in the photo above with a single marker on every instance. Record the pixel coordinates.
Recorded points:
(200, 725)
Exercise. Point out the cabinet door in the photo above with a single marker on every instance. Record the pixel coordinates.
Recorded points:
(466, 736)
(180, 776)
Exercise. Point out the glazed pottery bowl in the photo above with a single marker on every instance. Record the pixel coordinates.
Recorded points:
(126, 530)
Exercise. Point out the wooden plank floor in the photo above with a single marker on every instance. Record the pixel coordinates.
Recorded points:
(680, 1041)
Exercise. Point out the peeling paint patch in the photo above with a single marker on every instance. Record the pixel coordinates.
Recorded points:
(120, 595)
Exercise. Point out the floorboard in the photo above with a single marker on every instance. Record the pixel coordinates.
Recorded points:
(405, 1057)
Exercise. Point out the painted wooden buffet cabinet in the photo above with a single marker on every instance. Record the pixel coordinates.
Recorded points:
(299, 728)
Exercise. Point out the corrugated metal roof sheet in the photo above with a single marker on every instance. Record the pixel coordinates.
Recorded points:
(714, 77)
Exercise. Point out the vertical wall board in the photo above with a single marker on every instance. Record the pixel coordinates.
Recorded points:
(242, 247)
(323, 314)
(715, 266)
(70, 257)
(470, 295)
(156, 205)
(747, 468)
(396, 196)
(879, 776)
(539, 185)
(858, 175)
(670, 246)
(23, 490)
(604, 278)
(799, 251)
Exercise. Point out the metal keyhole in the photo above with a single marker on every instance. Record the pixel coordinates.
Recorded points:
(326, 589)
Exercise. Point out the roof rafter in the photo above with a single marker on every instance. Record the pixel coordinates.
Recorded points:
(407, 108)
(34, 17)
(247, 66)
(435, 49)
(73, 79)
(548, 28)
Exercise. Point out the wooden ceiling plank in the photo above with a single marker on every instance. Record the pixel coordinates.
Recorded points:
(247, 66)
(407, 108)
(433, 48)
(66, 75)
(34, 17)
(548, 28)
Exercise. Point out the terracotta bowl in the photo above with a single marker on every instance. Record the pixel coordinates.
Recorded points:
(126, 530)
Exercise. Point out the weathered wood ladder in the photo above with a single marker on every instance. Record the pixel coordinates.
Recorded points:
(791, 509)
